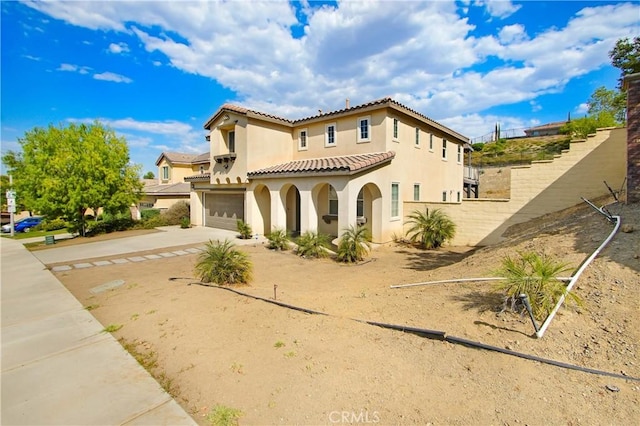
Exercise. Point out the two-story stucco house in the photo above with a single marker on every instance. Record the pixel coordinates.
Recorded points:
(169, 187)
(326, 172)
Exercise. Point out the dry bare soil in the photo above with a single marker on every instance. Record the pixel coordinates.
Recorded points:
(209, 346)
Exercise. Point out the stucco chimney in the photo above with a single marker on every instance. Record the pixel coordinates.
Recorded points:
(347, 104)
(632, 84)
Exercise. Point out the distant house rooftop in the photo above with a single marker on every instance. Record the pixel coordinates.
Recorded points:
(545, 129)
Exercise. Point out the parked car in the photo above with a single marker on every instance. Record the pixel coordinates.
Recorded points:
(23, 225)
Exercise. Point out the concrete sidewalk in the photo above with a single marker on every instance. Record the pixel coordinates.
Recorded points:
(57, 365)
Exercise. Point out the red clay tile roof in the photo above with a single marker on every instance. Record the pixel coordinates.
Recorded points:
(202, 177)
(343, 165)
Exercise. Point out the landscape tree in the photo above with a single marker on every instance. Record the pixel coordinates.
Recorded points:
(626, 57)
(64, 171)
(149, 175)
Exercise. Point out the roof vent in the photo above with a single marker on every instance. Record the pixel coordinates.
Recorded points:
(347, 104)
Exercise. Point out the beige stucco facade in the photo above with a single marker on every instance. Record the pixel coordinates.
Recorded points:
(327, 172)
(542, 187)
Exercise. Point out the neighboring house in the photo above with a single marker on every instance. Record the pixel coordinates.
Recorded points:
(548, 129)
(326, 172)
(170, 187)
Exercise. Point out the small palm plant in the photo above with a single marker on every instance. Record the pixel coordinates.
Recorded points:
(244, 229)
(312, 244)
(354, 244)
(534, 275)
(278, 239)
(430, 230)
(222, 264)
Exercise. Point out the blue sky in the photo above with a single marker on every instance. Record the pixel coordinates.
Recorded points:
(154, 71)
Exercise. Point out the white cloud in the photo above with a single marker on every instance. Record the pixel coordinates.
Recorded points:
(582, 109)
(424, 53)
(73, 68)
(535, 107)
(118, 48)
(109, 76)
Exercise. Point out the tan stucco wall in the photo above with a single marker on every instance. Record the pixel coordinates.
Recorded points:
(177, 172)
(544, 187)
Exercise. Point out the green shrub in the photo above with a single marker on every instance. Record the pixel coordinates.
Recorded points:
(52, 225)
(312, 244)
(244, 229)
(149, 213)
(174, 214)
(111, 225)
(154, 222)
(278, 240)
(354, 244)
(221, 415)
(430, 230)
(534, 275)
(185, 223)
(222, 264)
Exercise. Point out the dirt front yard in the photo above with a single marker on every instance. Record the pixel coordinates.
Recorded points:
(209, 346)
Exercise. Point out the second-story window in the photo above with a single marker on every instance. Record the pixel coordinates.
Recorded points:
(417, 136)
(364, 129)
(231, 141)
(165, 172)
(431, 141)
(302, 139)
(459, 153)
(444, 149)
(330, 135)
(395, 128)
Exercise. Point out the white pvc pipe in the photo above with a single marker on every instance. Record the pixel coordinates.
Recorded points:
(575, 277)
(460, 280)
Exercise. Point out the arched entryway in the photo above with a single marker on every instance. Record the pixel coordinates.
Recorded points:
(291, 200)
(369, 210)
(263, 202)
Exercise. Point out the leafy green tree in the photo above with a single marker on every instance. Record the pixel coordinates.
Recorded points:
(64, 171)
(149, 175)
(626, 57)
(611, 102)
(430, 230)
(4, 187)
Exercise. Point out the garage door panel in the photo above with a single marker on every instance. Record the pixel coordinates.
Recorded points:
(224, 210)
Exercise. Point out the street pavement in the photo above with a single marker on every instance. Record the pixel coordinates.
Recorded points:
(58, 367)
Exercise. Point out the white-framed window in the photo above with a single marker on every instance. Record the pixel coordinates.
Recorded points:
(330, 135)
(395, 199)
(444, 195)
(430, 141)
(333, 201)
(360, 203)
(231, 141)
(417, 136)
(364, 129)
(416, 192)
(165, 172)
(444, 149)
(395, 129)
(302, 139)
(459, 153)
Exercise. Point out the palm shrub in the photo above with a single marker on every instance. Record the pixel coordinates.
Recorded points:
(312, 244)
(534, 275)
(430, 230)
(278, 239)
(222, 264)
(244, 229)
(354, 244)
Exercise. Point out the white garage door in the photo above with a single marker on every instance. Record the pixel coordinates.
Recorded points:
(223, 210)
